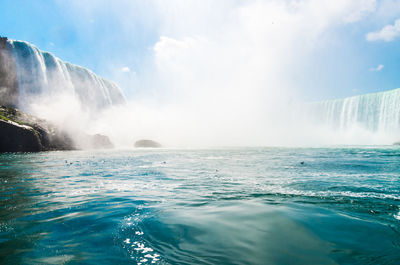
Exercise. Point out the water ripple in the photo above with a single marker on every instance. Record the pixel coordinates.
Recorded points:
(209, 206)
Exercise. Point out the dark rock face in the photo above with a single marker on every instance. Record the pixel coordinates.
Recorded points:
(20, 132)
(147, 143)
(18, 138)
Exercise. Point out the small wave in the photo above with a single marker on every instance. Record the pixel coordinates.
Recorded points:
(135, 242)
(397, 216)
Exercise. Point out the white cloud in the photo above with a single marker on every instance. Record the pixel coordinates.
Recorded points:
(359, 9)
(387, 10)
(378, 68)
(125, 69)
(387, 33)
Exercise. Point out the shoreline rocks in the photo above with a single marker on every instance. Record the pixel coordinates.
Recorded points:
(18, 138)
(20, 132)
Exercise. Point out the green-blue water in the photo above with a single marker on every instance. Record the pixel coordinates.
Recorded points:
(225, 206)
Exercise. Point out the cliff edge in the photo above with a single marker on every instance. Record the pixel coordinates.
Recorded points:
(20, 132)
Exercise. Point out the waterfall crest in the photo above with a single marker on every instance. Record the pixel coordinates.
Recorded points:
(41, 73)
(377, 112)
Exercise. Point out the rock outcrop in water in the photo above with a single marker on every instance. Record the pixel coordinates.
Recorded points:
(101, 141)
(96, 141)
(147, 143)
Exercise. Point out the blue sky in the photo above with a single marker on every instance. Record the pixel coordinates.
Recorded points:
(322, 50)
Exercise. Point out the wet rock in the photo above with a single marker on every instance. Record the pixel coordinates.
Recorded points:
(96, 141)
(147, 143)
(18, 138)
(101, 141)
(20, 132)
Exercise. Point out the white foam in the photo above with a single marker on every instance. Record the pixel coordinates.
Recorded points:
(397, 216)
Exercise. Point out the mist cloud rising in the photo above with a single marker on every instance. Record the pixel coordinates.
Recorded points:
(221, 72)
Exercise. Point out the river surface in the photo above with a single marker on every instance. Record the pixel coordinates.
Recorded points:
(336, 205)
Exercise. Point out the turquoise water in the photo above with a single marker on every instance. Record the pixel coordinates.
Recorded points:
(211, 206)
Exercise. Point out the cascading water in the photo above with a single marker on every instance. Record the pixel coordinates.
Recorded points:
(41, 73)
(378, 112)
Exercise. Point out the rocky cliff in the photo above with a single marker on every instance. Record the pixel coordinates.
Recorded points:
(27, 74)
(8, 75)
(20, 132)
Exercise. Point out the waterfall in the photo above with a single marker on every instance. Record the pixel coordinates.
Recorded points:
(377, 112)
(41, 73)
